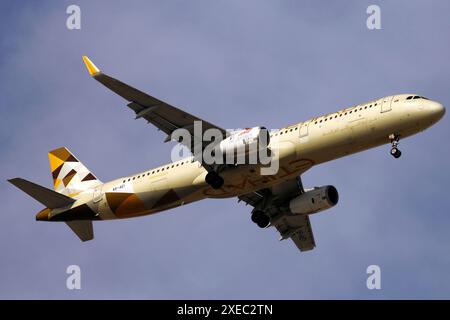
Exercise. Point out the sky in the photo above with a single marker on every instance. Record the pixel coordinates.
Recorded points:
(236, 64)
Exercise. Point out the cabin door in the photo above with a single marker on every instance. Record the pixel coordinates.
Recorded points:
(97, 196)
(386, 104)
(303, 131)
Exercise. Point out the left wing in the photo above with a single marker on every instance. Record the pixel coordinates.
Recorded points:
(275, 202)
(162, 115)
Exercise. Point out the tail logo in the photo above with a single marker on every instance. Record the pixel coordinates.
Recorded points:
(70, 176)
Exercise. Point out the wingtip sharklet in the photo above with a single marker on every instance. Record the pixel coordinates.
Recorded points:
(93, 70)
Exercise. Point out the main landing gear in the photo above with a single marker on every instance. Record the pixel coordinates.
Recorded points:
(260, 218)
(395, 152)
(214, 180)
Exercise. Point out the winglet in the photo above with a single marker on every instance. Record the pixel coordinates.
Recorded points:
(90, 66)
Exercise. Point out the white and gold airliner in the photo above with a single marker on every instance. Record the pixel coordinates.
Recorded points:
(278, 199)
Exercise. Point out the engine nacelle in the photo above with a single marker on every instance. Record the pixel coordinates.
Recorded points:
(246, 141)
(315, 200)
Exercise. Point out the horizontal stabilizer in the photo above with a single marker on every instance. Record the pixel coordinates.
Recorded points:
(82, 228)
(49, 198)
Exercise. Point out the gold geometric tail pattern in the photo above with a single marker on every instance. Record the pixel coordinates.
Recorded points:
(70, 176)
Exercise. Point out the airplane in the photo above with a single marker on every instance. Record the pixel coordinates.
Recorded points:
(278, 199)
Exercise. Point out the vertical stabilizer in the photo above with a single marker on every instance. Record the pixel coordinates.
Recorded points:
(70, 176)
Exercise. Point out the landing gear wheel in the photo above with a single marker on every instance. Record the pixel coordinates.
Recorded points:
(214, 180)
(396, 153)
(261, 219)
(264, 223)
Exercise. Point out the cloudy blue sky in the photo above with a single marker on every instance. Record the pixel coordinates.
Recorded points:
(237, 64)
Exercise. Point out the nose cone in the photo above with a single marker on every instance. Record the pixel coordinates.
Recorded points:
(436, 110)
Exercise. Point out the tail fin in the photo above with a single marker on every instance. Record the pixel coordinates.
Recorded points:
(70, 176)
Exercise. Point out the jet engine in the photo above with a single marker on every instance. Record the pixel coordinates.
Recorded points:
(315, 200)
(246, 141)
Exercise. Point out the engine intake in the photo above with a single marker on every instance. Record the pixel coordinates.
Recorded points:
(315, 200)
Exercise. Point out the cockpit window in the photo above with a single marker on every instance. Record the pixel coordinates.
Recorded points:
(416, 97)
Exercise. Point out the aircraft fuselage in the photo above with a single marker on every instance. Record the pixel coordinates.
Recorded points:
(299, 146)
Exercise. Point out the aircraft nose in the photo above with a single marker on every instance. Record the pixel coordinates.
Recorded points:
(437, 110)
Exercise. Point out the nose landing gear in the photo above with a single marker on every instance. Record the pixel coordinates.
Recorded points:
(395, 152)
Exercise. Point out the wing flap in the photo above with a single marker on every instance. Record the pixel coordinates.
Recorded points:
(298, 228)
